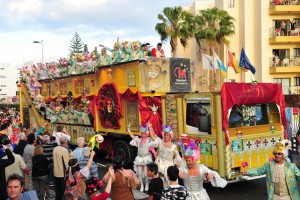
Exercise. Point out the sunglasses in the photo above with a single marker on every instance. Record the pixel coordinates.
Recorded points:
(278, 153)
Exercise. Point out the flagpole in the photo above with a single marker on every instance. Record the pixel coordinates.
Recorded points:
(242, 71)
(226, 58)
(201, 73)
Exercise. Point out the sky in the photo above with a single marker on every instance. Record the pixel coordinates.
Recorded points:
(55, 23)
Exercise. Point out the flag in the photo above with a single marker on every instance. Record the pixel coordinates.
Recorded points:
(207, 62)
(219, 65)
(233, 62)
(245, 63)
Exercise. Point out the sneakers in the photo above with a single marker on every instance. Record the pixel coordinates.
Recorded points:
(147, 187)
(142, 188)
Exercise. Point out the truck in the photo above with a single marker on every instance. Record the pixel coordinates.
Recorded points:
(235, 124)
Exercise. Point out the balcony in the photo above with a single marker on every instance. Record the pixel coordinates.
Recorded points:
(281, 8)
(284, 66)
(277, 36)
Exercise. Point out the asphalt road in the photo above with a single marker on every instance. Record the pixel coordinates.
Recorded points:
(245, 190)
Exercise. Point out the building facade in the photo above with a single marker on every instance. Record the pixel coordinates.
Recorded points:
(269, 32)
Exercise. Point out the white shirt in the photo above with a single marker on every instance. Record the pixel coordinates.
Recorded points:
(58, 135)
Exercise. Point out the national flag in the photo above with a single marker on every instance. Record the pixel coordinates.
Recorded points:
(245, 63)
(218, 64)
(233, 62)
(207, 62)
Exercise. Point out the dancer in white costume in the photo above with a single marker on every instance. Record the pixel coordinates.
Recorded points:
(144, 157)
(168, 154)
(194, 174)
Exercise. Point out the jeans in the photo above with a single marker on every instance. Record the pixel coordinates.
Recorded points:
(51, 176)
(60, 187)
(28, 181)
(39, 184)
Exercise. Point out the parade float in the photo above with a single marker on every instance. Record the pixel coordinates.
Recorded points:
(235, 124)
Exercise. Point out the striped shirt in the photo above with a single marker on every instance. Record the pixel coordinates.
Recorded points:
(48, 150)
(93, 169)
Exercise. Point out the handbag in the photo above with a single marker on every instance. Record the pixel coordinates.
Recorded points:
(93, 185)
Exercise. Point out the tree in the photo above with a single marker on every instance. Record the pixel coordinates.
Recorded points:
(213, 26)
(76, 44)
(176, 24)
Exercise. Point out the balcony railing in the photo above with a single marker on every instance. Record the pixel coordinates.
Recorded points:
(284, 62)
(284, 3)
(276, 32)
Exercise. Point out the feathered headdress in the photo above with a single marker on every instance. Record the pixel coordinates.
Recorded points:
(116, 44)
(189, 148)
(167, 129)
(135, 43)
(282, 147)
(144, 129)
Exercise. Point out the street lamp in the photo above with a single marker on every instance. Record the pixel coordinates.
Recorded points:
(41, 42)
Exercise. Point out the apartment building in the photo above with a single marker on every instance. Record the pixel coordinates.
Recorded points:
(269, 32)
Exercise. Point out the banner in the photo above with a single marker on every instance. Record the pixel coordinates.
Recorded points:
(180, 75)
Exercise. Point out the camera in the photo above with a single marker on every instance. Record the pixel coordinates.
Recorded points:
(4, 140)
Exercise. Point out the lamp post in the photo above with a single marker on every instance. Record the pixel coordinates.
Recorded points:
(41, 42)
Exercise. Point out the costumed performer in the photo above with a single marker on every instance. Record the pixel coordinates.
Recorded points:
(168, 154)
(115, 53)
(194, 174)
(144, 157)
(136, 53)
(96, 140)
(281, 175)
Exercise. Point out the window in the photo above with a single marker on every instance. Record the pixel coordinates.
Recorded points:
(296, 52)
(63, 88)
(297, 81)
(285, 84)
(248, 115)
(198, 117)
(79, 85)
(230, 3)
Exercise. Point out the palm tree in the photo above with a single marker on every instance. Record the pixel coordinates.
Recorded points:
(176, 24)
(213, 26)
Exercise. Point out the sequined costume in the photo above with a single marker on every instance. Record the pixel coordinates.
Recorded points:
(194, 184)
(144, 156)
(167, 156)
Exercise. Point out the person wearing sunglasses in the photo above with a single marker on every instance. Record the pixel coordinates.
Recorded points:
(280, 174)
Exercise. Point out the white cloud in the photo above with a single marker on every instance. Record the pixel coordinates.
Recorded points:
(56, 21)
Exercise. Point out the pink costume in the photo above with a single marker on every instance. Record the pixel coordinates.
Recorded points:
(143, 157)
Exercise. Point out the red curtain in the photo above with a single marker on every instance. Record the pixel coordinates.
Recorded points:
(247, 94)
(148, 115)
(129, 95)
(144, 109)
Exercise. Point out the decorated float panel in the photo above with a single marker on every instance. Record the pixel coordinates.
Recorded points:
(165, 91)
(172, 75)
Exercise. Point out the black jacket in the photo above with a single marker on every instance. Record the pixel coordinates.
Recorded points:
(3, 164)
(20, 147)
(40, 166)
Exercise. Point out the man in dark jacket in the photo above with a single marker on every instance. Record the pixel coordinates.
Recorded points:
(3, 164)
(21, 144)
